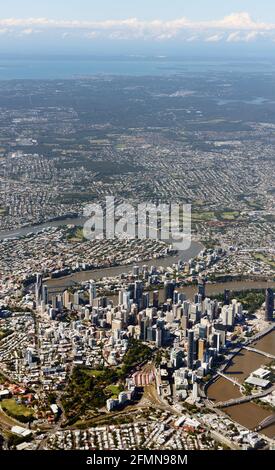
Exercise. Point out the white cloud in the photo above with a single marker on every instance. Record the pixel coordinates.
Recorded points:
(215, 38)
(252, 36)
(235, 27)
(238, 36)
(193, 38)
(234, 37)
(27, 31)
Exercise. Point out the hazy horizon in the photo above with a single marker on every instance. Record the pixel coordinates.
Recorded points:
(86, 27)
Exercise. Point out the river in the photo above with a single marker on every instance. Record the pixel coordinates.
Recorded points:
(97, 274)
(62, 283)
(23, 231)
(247, 414)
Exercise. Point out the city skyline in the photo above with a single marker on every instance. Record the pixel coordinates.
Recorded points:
(137, 230)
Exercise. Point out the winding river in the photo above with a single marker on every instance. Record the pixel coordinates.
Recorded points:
(241, 366)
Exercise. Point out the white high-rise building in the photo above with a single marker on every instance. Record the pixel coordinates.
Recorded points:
(92, 291)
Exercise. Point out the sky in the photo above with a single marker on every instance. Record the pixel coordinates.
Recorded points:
(140, 27)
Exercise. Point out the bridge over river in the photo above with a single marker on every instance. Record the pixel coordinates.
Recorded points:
(263, 353)
(231, 379)
(243, 399)
(266, 422)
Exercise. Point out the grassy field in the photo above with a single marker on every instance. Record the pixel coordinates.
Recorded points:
(76, 235)
(114, 389)
(203, 216)
(94, 373)
(206, 216)
(229, 215)
(17, 411)
(264, 259)
(5, 334)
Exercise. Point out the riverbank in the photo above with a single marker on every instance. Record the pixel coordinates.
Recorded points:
(240, 367)
(26, 230)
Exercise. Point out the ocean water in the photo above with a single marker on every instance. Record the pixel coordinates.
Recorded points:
(68, 68)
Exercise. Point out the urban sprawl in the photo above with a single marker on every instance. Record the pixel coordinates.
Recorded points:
(126, 343)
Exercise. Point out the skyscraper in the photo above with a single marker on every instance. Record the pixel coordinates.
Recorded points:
(202, 349)
(38, 288)
(45, 296)
(126, 301)
(190, 352)
(201, 288)
(156, 298)
(184, 322)
(269, 304)
(92, 291)
(145, 300)
(138, 293)
(135, 271)
(226, 297)
(168, 290)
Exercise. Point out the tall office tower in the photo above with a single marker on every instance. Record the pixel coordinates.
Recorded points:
(92, 291)
(176, 357)
(216, 339)
(131, 289)
(228, 316)
(66, 298)
(144, 323)
(195, 313)
(45, 296)
(120, 297)
(159, 337)
(178, 311)
(186, 307)
(138, 292)
(151, 333)
(202, 349)
(168, 290)
(126, 301)
(201, 288)
(237, 307)
(156, 298)
(76, 298)
(195, 391)
(203, 331)
(175, 297)
(145, 272)
(211, 309)
(184, 323)
(190, 352)
(38, 288)
(269, 304)
(198, 299)
(54, 302)
(145, 300)
(59, 302)
(226, 297)
(153, 270)
(152, 314)
(135, 271)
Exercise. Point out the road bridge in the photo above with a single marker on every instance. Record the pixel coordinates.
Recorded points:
(266, 422)
(243, 399)
(263, 353)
